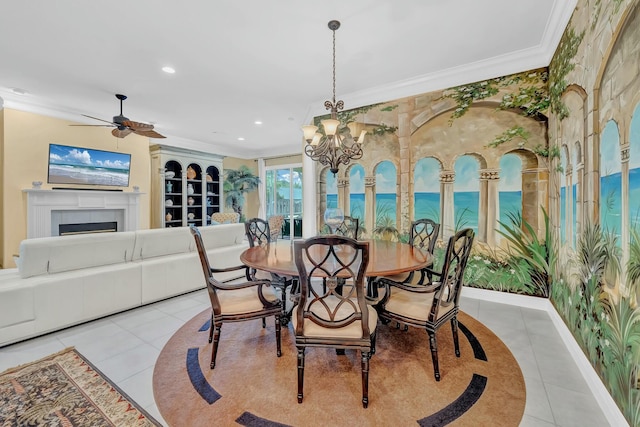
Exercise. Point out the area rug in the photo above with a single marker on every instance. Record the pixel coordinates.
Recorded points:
(64, 389)
(250, 386)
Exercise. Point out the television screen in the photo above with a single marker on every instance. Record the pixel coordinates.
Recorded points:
(75, 165)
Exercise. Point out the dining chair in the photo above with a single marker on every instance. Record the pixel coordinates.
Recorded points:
(258, 233)
(350, 227)
(338, 317)
(426, 308)
(236, 302)
(275, 226)
(423, 235)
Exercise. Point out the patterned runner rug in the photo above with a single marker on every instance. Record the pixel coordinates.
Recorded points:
(64, 389)
(252, 387)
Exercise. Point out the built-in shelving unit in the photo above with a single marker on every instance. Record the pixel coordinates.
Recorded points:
(187, 189)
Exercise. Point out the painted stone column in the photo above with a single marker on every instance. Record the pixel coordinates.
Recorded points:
(369, 204)
(447, 215)
(489, 210)
(568, 208)
(579, 219)
(343, 194)
(403, 215)
(625, 231)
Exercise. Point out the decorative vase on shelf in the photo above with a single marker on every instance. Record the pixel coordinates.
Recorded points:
(190, 201)
(168, 216)
(169, 187)
(191, 173)
(190, 189)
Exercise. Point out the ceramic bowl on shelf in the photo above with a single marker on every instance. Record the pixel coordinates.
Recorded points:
(168, 202)
(191, 215)
(169, 174)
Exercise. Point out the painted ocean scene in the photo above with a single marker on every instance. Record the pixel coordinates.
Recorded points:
(611, 203)
(74, 165)
(427, 205)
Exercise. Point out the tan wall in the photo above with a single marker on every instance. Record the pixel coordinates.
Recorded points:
(250, 208)
(26, 147)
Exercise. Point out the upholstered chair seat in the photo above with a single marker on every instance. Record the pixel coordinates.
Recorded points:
(354, 330)
(245, 300)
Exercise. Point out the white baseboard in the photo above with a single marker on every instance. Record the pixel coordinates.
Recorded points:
(599, 391)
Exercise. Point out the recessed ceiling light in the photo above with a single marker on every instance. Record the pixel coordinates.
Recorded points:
(168, 70)
(240, 139)
(258, 122)
(19, 91)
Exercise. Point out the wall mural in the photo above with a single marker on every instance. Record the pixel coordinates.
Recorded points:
(544, 166)
(594, 211)
(428, 157)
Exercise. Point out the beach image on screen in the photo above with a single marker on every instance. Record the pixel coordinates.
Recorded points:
(74, 165)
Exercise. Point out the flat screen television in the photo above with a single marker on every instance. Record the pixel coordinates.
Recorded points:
(85, 166)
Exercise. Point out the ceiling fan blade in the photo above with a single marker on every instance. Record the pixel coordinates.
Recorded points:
(121, 133)
(137, 125)
(148, 133)
(100, 126)
(95, 118)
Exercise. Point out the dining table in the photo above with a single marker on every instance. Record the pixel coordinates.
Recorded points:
(386, 258)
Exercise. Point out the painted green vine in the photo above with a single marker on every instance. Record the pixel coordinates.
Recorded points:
(531, 98)
(560, 67)
(349, 116)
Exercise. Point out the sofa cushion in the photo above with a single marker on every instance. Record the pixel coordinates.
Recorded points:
(65, 253)
(222, 235)
(16, 303)
(161, 242)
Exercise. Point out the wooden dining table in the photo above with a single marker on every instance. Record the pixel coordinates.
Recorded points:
(385, 258)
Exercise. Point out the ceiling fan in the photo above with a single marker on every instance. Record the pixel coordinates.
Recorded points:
(124, 126)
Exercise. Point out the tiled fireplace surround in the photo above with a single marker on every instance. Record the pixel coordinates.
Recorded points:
(47, 209)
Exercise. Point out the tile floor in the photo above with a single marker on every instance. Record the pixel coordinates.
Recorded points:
(125, 346)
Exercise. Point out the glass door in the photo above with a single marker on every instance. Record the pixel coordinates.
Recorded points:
(283, 191)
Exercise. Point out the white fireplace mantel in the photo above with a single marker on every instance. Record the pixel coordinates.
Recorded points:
(41, 204)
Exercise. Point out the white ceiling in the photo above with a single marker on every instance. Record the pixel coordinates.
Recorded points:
(238, 61)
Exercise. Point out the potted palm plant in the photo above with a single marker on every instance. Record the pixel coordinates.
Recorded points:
(237, 183)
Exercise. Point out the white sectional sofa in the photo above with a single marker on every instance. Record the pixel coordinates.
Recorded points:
(66, 280)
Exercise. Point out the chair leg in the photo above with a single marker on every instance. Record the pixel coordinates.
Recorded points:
(278, 340)
(284, 318)
(216, 340)
(373, 343)
(264, 323)
(434, 355)
(300, 372)
(365, 379)
(454, 330)
(211, 329)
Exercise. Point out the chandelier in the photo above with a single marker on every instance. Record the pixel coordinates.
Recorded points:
(330, 145)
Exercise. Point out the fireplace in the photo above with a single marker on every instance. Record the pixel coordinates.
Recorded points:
(47, 210)
(87, 227)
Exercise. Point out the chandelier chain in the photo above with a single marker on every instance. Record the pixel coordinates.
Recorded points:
(334, 67)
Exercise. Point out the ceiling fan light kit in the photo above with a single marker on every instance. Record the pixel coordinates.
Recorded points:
(123, 126)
